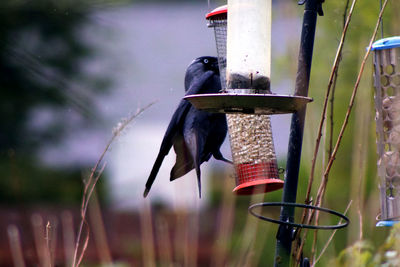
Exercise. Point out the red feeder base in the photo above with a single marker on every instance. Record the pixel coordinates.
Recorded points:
(257, 178)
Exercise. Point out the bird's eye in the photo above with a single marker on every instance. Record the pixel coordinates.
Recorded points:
(205, 61)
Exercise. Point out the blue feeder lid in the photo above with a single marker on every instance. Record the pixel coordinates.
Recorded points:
(386, 43)
(386, 223)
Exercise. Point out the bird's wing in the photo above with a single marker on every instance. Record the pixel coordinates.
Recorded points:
(195, 143)
(166, 144)
(184, 160)
(175, 124)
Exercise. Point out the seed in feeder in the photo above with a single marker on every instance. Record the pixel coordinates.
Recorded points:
(251, 138)
(252, 81)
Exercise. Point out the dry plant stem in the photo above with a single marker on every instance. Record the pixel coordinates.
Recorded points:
(164, 241)
(361, 224)
(146, 224)
(332, 99)
(314, 247)
(99, 232)
(332, 235)
(68, 236)
(83, 220)
(51, 240)
(40, 243)
(180, 235)
(360, 217)
(53, 244)
(330, 83)
(321, 190)
(345, 12)
(193, 237)
(15, 245)
(362, 119)
(47, 237)
(363, 167)
(90, 185)
(249, 234)
(254, 258)
(331, 121)
(225, 226)
(324, 152)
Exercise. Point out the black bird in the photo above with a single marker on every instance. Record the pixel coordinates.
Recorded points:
(196, 135)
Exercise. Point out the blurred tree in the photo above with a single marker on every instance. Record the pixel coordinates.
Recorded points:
(44, 91)
(41, 55)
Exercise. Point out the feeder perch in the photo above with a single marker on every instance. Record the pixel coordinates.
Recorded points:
(387, 105)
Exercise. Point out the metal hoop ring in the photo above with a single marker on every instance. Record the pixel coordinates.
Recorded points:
(287, 204)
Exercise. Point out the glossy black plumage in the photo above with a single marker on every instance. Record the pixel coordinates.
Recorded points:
(195, 135)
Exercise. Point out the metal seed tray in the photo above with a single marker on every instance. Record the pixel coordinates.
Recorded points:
(248, 103)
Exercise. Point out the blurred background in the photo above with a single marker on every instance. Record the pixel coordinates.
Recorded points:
(71, 70)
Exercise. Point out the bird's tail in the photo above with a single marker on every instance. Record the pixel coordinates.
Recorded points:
(153, 173)
(146, 191)
(198, 179)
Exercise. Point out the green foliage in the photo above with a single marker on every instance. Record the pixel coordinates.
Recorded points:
(389, 252)
(363, 253)
(358, 255)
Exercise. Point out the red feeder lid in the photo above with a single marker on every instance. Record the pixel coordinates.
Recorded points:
(256, 178)
(258, 186)
(219, 12)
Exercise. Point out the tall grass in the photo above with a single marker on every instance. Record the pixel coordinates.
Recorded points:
(90, 184)
(15, 245)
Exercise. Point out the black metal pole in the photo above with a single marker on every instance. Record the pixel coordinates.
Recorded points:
(286, 233)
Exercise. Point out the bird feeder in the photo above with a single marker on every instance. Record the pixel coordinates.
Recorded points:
(251, 140)
(387, 105)
(243, 38)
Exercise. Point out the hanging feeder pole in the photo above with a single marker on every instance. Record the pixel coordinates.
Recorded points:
(285, 234)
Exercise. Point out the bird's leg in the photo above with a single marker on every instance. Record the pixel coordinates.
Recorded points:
(218, 155)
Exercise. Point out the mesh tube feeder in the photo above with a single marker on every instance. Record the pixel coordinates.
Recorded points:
(387, 106)
(244, 62)
(248, 72)
(251, 140)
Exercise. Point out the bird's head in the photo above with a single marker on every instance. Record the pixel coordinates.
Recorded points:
(199, 66)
